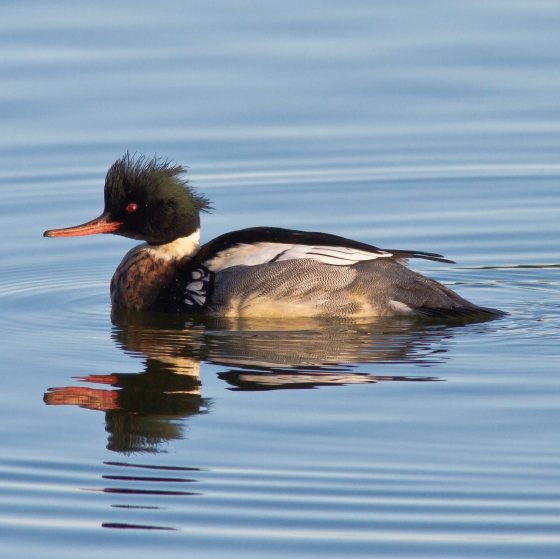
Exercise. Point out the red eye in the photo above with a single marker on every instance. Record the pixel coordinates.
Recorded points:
(131, 208)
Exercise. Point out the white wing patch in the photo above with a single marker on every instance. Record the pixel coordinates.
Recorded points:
(261, 253)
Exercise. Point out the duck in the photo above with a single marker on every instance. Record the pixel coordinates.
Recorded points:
(265, 272)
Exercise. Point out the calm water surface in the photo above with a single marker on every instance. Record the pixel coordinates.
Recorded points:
(432, 126)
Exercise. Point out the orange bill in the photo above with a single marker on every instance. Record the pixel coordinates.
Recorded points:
(98, 225)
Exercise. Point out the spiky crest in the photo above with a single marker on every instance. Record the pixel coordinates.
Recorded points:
(130, 173)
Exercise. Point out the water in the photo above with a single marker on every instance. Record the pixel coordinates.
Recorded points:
(432, 126)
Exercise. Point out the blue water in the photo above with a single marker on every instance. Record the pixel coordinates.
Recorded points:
(431, 126)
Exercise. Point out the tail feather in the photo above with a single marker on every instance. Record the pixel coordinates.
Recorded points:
(405, 254)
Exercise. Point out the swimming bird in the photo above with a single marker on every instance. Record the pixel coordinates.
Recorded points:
(255, 272)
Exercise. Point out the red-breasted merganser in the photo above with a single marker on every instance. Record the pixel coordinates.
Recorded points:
(257, 272)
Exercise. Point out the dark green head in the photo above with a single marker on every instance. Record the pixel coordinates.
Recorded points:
(145, 199)
(152, 199)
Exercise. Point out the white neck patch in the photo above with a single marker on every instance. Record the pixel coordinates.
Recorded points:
(177, 249)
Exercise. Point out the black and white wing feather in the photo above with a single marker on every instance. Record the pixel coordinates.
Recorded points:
(261, 245)
(262, 253)
(200, 282)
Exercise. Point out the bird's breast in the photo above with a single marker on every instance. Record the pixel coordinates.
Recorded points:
(140, 279)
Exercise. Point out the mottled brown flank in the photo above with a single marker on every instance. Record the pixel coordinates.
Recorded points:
(139, 280)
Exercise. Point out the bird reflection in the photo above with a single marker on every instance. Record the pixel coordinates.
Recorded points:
(146, 410)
